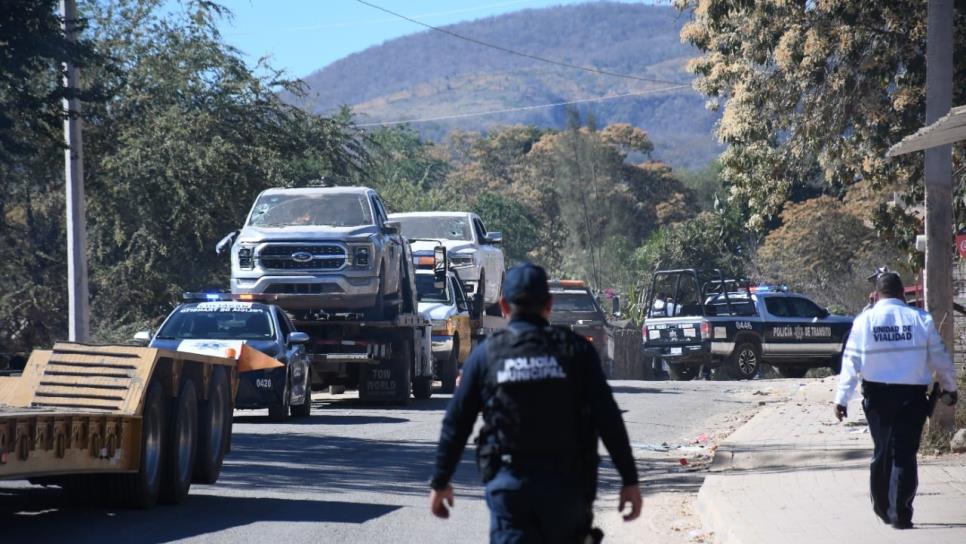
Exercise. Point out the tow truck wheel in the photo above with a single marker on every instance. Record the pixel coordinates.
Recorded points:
(182, 445)
(447, 374)
(682, 373)
(214, 428)
(745, 362)
(141, 489)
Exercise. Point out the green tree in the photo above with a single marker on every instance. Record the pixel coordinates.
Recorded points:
(814, 92)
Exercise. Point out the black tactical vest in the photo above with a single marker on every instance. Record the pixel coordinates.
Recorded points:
(535, 408)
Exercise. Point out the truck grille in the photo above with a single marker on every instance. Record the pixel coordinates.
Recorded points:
(302, 257)
(302, 288)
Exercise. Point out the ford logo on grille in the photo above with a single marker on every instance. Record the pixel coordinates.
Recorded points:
(301, 256)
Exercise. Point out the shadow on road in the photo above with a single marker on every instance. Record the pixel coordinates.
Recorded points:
(324, 419)
(327, 464)
(43, 515)
(436, 403)
(634, 389)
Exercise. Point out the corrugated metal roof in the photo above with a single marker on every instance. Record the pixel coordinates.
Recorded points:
(948, 129)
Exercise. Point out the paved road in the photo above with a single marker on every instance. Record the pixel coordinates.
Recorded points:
(357, 473)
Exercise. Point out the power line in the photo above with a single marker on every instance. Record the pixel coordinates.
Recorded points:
(521, 108)
(590, 69)
(343, 24)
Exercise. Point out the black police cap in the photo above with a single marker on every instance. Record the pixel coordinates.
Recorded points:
(526, 284)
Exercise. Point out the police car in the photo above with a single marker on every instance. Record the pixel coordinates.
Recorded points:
(209, 323)
(696, 318)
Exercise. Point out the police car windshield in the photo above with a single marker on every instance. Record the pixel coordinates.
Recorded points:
(214, 322)
(445, 228)
(332, 209)
(573, 302)
(426, 290)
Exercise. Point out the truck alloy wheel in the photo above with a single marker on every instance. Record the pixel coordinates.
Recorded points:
(746, 361)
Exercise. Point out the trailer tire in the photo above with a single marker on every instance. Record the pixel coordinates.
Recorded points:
(448, 370)
(214, 428)
(182, 445)
(142, 489)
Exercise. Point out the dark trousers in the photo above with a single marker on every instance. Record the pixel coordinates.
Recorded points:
(536, 507)
(896, 414)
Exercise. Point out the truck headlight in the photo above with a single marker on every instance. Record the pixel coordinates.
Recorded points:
(361, 257)
(461, 261)
(245, 260)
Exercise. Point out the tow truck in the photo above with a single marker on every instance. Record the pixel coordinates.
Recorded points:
(135, 425)
(386, 360)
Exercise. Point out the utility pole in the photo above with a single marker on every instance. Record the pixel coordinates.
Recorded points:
(939, 184)
(77, 294)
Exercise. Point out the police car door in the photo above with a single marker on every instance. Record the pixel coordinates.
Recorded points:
(813, 336)
(779, 341)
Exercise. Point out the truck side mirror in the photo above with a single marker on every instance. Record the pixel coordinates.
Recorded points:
(142, 336)
(224, 246)
(615, 306)
(494, 238)
(298, 337)
(440, 265)
(391, 227)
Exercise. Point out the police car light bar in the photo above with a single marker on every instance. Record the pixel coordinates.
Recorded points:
(206, 297)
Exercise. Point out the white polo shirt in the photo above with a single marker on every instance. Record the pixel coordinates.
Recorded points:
(894, 343)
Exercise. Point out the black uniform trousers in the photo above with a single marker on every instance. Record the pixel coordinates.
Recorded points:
(896, 414)
(533, 506)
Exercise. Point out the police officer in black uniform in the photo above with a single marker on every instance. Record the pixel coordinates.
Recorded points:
(545, 401)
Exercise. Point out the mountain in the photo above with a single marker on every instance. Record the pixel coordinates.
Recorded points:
(430, 74)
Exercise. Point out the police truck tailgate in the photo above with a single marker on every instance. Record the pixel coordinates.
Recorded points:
(672, 336)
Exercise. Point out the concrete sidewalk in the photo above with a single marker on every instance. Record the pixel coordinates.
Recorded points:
(792, 474)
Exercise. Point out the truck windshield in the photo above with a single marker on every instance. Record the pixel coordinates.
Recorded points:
(329, 209)
(573, 302)
(436, 228)
(222, 324)
(426, 290)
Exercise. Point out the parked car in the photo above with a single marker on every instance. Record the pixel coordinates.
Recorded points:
(472, 251)
(211, 326)
(576, 307)
(330, 249)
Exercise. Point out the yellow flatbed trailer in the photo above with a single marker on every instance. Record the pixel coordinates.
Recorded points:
(138, 425)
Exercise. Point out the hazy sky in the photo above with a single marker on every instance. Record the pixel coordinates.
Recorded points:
(301, 36)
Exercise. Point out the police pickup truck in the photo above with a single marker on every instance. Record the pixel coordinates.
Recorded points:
(696, 318)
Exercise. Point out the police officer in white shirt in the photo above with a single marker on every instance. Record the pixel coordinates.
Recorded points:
(894, 348)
